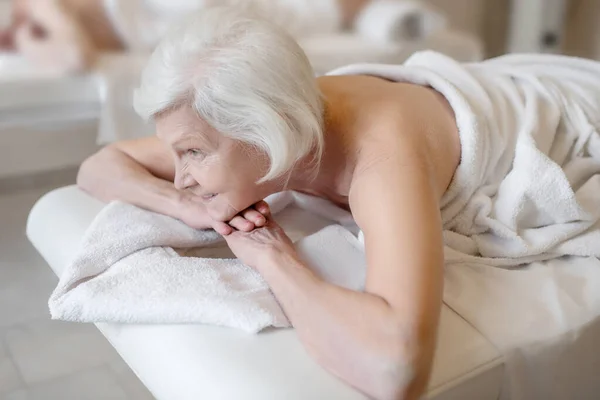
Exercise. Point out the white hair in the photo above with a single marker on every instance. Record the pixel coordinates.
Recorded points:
(244, 76)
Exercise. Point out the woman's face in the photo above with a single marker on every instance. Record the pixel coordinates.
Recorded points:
(220, 171)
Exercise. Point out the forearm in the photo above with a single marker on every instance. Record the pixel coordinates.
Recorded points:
(112, 175)
(355, 336)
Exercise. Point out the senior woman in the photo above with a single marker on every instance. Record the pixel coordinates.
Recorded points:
(240, 116)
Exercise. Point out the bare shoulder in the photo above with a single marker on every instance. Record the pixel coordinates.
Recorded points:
(412, 126)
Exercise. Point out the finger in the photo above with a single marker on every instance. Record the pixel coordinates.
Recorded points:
(242, 224)
(263, 208)
(254, 216)
(222, 228)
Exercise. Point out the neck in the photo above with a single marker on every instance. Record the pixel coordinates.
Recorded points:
(330, 180)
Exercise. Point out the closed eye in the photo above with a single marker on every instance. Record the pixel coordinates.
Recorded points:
(209, 196)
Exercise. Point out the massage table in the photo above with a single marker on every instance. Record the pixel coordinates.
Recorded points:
(191, 361)
(179, 362)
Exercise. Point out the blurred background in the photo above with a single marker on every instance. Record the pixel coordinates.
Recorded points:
(65, 90)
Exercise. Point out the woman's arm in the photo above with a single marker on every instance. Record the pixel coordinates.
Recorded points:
(381, 341)
(140, 172)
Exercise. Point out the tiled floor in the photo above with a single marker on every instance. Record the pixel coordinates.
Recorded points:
(42, 359)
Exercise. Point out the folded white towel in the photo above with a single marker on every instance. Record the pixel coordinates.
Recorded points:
(396, 21)
(131, 269)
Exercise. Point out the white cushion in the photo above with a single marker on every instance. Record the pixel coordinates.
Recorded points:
(178, 362)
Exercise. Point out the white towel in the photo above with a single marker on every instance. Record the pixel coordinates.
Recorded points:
(136, 266)
(397, 21)
(527, 188)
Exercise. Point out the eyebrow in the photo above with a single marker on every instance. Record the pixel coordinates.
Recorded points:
(185, 137)
(179, 144)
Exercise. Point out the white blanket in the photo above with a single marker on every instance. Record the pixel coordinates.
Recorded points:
(527, 188)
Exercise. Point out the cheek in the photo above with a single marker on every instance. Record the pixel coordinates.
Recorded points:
(208, 176)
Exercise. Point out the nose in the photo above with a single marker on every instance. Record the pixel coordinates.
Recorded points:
(183, 180)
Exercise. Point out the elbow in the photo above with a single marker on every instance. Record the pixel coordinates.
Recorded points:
(405, 373)
(403, 380)
(90, 170)
(82, 179)
(86, 170)
(395, 381)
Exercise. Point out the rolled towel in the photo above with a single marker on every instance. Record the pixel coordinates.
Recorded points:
(389, 21)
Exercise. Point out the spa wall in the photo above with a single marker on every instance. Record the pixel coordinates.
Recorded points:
(489, 20)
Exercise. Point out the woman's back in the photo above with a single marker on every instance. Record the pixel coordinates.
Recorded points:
(368, 115)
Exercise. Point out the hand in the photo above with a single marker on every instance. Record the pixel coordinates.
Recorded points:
(193, 213)
(251, 218)
(261, 245)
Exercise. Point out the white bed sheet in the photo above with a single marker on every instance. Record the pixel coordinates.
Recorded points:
(544, 318)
